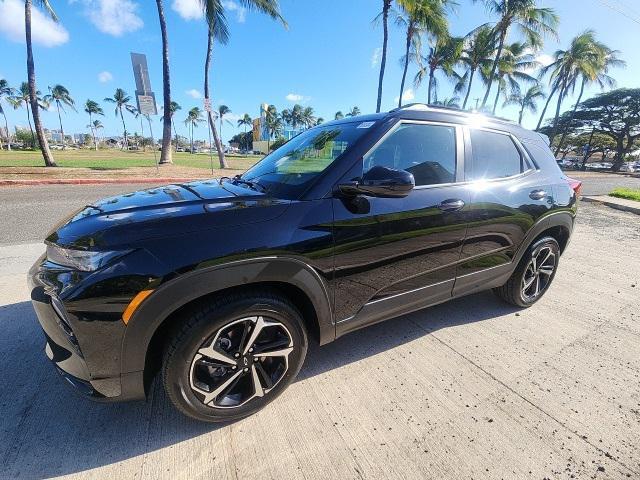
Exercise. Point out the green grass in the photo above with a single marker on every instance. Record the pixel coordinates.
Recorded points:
(628, 193)
(116, 159)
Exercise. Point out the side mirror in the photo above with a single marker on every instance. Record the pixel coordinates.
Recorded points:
(381, 182)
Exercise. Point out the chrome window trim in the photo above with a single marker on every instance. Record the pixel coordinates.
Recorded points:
(460, 153)
(516, 143)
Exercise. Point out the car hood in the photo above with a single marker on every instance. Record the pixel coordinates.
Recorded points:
(124, 220)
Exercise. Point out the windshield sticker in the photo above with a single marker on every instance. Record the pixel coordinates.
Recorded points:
(365, 124)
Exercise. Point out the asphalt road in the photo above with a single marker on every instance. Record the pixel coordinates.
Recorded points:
(468, 389)
(44, 206)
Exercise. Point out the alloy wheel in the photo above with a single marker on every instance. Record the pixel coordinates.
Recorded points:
(243, 360)
(537, 276)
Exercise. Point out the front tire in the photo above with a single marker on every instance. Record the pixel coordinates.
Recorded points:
(230, 357)
(533, 275)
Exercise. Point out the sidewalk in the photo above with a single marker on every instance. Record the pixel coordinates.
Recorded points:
(614, 202)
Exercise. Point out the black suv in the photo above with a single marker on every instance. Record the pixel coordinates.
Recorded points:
(220, 284)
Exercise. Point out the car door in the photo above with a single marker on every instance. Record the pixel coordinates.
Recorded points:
(508, 194)
(394, 255)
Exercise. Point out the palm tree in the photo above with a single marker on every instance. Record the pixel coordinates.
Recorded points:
(222, 111)
(31, 77)
(526, 102)
(339, 115)
(444, 55)
(418, 17)
(173, 108)
(22, 97)
(274, 124)
(308, 118)
(479, 47)
(386, 6)
(218, 31)
(166, 152)
(5, 92)
(138, 114)
(592, 67)
(512, 69)
(194, 118)
(319, 121)
(532, 21)
(355, 111)
(450, 102)
(121, 100)
(60, 95)
(245, 121)
(95, 126)
(93, 108)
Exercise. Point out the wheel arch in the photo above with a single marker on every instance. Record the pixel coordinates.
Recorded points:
(558, 225)
(293, 278)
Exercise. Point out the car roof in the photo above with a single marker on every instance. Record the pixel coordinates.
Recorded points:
(421, 111)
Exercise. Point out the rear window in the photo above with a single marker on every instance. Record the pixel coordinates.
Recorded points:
(494, 155)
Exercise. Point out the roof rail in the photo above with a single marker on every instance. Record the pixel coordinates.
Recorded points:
(453, 110)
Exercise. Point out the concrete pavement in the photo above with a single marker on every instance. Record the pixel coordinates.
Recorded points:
(469, 389)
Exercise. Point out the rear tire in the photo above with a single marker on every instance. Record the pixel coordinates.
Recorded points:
(229, 358)
(533, 275)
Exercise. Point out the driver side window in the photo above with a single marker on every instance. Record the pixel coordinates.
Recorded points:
(426, 151)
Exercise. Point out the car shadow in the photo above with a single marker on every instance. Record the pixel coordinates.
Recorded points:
(50, 431)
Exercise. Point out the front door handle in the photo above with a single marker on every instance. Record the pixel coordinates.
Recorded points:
(537, 194)
(451, 205)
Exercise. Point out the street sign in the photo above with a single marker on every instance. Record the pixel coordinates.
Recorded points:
(207, 105)
(147, 105)
(145, 97)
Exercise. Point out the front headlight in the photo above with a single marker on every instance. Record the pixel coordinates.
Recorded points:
(81, 259)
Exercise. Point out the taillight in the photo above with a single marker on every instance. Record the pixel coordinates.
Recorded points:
(576, 185)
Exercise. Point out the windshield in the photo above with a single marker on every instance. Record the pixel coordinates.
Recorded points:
(290, 170)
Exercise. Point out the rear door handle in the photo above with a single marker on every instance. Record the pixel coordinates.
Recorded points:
(451, 205)
(537, 194)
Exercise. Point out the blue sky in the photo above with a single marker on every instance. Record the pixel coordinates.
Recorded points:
(326, 59)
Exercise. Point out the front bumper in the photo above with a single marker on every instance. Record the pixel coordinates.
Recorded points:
(68, 334)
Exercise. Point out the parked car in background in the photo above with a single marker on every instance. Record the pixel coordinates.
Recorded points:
(219, 285)
(627, 167)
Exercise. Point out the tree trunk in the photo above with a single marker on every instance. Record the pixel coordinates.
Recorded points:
(64, 143)
(495, 103)
(406, 62)
(33, 99)
(494, 67)
(166, 153)
(587, 152)
(566, 128)
(212, 123)
(430, 87)
(93, 132)
(386, 5)
(561, 94)
(521, 115)
(33, 134)
(175, 132)
(546, 105)
(6, 126)
(124, 131)
(466, 97)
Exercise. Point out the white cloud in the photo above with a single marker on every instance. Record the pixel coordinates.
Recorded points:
(113, 17)
(375, 58)
(44, 31)
(544, 59)
(105, 77)
(241, 12)
(191, 9)
(187, 9)
(294, 97)
(193, 93)
(407, 96)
